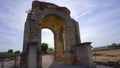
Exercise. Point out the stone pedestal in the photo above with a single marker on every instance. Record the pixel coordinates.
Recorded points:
(84, 55)
(32, 56)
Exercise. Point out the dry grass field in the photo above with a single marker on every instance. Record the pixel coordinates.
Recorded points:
(105, 56)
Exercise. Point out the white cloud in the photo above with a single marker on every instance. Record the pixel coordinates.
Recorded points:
(97, 23)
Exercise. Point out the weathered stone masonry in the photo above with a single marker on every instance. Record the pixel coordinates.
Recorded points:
(68, 46)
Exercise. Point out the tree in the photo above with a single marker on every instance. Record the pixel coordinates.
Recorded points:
(50, 50)
(44, 47)
(10, 51)
(17, 53)
(113, 45)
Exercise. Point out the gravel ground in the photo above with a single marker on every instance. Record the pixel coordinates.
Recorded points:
(9, 64)
(47, 62)
(102, 66)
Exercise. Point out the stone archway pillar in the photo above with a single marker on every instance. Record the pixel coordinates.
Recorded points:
(47, 15)
(58, 48)
(32, 55)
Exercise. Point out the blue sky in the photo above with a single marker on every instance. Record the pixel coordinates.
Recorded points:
(99, 21)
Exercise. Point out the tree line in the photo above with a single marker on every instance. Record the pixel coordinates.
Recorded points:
(10, 53)
(45, 49)
(111, 46)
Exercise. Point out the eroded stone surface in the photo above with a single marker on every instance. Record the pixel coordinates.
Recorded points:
(32, 57)
(66, 34)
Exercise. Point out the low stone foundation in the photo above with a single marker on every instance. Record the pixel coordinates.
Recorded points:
(84, 55)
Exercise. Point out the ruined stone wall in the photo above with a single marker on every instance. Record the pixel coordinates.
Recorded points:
(57, 19)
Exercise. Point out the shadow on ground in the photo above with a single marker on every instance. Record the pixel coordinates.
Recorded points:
(63, 65)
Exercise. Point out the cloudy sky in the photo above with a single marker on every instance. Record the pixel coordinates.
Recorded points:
(99, 21)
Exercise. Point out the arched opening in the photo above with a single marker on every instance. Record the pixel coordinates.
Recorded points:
(47, 36)
(57, 24)
(66, 37)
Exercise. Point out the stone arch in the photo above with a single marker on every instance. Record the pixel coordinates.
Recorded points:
(47, 15)
(57, 24)
(55, 13)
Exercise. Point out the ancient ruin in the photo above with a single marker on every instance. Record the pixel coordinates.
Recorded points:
(68, 46)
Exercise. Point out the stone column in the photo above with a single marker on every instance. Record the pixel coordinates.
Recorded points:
(32, 55)
(84, 55)
(39, 52)
(58, 47)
